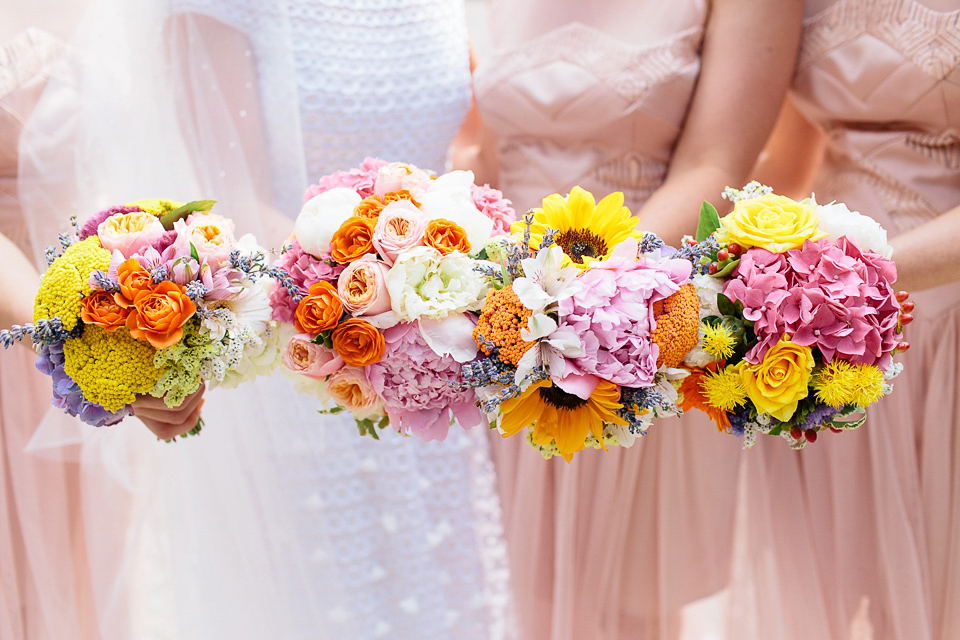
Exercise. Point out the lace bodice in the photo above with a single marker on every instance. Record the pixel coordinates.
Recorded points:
(579, 105)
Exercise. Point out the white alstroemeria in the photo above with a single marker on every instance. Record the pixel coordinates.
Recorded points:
(545, 282)
(552, 348)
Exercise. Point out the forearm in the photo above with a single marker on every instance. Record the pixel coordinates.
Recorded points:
(18, 286)
(929, 255)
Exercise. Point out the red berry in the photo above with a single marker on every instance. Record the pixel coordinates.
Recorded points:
(723, 255)
(811, 435)
(835, 430)
(691, 241)
(734, 248)
(713, 268)
(906, 319)
(903, 346)
(902, 296)
(796, 433)
(907, 307)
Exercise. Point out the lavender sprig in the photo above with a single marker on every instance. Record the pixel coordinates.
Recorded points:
(41, 332)
(255, 266)
(105, 283)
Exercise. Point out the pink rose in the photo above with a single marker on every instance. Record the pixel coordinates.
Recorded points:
(399, 176)
(129, 232)
(350, 389)
(210, 234)
(363, 287)
(399, 227)
(312, 360)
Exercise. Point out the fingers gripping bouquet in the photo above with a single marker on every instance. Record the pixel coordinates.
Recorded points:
(583, 329)
(383, 292)
(153, 297)
(799, 319)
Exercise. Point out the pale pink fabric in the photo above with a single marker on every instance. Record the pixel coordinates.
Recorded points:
(858, 536)
(44, 580)
(615, 544)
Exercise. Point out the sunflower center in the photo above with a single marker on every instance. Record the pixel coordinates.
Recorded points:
(560, 399)
(580, 244)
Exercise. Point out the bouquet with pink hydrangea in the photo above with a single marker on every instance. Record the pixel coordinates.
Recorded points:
(806, 321)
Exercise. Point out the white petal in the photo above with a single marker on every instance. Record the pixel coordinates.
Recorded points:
(538, 326)
(530, 294)
(451, 336)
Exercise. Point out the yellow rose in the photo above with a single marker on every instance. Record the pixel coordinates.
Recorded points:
(771, 222)
(780, 380)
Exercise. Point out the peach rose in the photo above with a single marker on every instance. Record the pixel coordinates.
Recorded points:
(369, 208)
(211, 235)
(398, 176)
(133, 279)
(446, 236)
(129, 233)
(312, 360)
(101, 309)
(319, 310)
(363, 287)
(353, 240)
(399, 227)
(402, 194)
(358, 342)
(350, 389)
(158, 314)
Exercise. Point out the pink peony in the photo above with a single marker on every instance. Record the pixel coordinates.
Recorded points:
(492, 204)
(306, 271)
(400, 176)
(89, 227)
(415, 384)
(360, 179)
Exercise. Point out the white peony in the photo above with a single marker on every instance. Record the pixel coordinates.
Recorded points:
(837, 220)
(320, 218)
(425, 284)
(449, 197)
(707, 288)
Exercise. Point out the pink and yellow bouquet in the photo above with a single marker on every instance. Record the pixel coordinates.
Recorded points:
(583, 329)
(153, 297)
(382, 294)
(799, 319)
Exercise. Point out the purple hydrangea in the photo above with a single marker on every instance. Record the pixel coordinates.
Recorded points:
(68, 396)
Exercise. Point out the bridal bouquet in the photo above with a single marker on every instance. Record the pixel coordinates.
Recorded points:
(799, 320)
(153, 297)
(382, 294)
(583, 329)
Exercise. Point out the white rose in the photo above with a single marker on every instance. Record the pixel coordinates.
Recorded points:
(320, 218)
(449, 197)
(837, 220)
(425, 284)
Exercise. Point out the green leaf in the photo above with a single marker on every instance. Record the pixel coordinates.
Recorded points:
(193, 253)
(730, 266)
(183, 211)
(726, 305)
(709, 221)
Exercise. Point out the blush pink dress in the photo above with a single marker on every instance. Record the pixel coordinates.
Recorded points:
(858, 536)
(44, 580)
(615, 544)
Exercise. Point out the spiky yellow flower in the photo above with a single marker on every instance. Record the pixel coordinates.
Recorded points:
(110, 368)
(586, 230)
(718, 341)
(561, 417)
(65, 283)
(869, 383)
(678, 319)
(725, 389)
(836, 383)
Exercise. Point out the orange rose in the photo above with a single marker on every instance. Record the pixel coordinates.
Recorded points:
(100, 308)
(369, 208)
(446, 237)
(133, 279)
(353, 240)
(402, 194)
(318, 311)
(358, 342)
(158, 314)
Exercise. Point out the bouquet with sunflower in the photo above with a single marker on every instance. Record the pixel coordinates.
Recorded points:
(382, 294)
(152, 297)
(584, 327)
(799, 321)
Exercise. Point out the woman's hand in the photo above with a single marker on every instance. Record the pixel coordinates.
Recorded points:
(168, 423)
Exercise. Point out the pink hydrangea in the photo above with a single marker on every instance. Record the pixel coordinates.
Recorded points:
(306, 271)
(613, 315)
(833, 297)
(415, 384)
(492, 204)
(360, 179)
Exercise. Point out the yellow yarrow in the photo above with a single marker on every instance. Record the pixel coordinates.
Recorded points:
(718, 341)
(725, 389)
(66, 282)
(155, 206)
(110, 368)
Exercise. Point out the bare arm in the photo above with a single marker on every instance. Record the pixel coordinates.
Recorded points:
(749, 52)
(475, 145)
(929, 255)
(789, 161)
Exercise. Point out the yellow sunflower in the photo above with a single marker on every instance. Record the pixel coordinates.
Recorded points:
(561, 417)
(587, 231)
